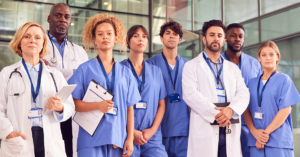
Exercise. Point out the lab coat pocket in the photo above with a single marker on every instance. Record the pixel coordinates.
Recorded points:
(14, 147)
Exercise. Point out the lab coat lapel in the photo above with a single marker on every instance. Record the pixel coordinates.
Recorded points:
(47, 85)
(226, 80)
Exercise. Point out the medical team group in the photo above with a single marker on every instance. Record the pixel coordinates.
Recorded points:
(216, 105)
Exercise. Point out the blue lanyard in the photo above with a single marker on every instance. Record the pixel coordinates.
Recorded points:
(37, 90)
(169, 71)
(259, 96)
(109, 88)
(219, 72)
(240, 62)
(140, 84)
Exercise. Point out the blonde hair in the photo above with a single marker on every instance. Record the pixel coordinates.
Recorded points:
(16, 41)
(90, 26)
(272, 45)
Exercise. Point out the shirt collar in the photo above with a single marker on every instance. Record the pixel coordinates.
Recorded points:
(36, 67)
(54, 39)
(220, 60)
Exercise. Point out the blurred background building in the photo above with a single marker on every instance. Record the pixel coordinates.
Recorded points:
(276, 20)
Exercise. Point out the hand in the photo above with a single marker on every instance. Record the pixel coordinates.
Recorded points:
(225, 114)
(46, 62)
(260, 136)
(148, 133)
(105, 105)
(259, 145)
(16, 134)
(54, 104)
(138, 138)
(129, 147)
(224, 124)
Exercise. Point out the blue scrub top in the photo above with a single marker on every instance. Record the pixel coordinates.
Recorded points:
(250, 68)
(177, 114)
(154, 91)
(279, 93)
(112, 129)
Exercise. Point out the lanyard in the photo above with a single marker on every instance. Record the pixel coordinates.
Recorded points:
(259, 96)
(169, 71)
(109, 88)
(140, 84)
(218, 72)
(36, 93)
(240, 62)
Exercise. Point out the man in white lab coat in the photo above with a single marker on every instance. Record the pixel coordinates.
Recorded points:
(66, 57)
(207, 80)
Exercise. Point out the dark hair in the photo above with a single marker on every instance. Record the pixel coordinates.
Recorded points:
(132, 30)
(100, 22)
(235, 25)
(173, 25)
(211, 23)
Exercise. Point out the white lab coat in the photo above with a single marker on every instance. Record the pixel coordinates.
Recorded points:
(73, 57)
(199, 92)
(14, 112)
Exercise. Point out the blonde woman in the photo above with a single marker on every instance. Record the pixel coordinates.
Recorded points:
(268, 116)
(114, 135)
(30, 114)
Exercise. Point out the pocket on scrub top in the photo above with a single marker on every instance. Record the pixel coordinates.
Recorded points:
(13, 147)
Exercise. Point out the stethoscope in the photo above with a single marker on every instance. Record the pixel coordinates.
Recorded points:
(53, 59)
(17, 72)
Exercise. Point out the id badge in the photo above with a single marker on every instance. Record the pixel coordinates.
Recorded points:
(35, 113)
(220, 92)
(141, 105)
(113, 111)
(174, 97)
(258, 115)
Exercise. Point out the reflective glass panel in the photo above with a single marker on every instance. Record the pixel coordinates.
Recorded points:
(7, 56)
(251, 33)
(267, 6)
(205, 10)
(48, 1)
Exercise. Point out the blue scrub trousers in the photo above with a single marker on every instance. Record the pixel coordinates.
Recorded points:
(222, 142)
(244, 141)
(176, 146)
(100, 151)
(271, 152)
(150, 149)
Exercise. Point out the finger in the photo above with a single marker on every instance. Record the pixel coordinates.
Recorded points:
(22, 135)
(56, 98)
(261, 142)
(218, 116)
(109, 101)
(219, 108)
(143, 140)
(262, 146)
(124, 149)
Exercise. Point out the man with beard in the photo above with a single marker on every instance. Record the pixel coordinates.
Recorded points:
(175, 124)
(209, 81)
(248, 65)
(66, 57)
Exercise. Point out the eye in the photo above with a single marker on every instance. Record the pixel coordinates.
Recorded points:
(58, 15)
(100, 34)
(38, 37)
(135, 36)
(144, 36)
(26, 36)
(109, 33)
(271, 54)
(264, 55)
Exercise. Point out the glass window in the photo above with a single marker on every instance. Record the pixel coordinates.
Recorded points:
(180, 11)
(205, 10)
(48, 1)
(251, 51)
(159, 8)
(281, 24)
(157, 44)
(7, 56)
(235, 15)
(131, 6)
(272, 5)
(251, 33)
(118, 56)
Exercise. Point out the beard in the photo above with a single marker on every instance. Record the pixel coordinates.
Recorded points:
(230, 47)
(61, 30)
(213, 49)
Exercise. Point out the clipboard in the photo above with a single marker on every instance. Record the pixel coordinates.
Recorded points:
(233, 121)
(89, 121)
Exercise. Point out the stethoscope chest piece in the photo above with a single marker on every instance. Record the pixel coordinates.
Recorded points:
(53, 60)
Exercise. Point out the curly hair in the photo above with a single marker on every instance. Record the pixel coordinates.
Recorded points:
(211, 23)
(173, 25)
(90, 26)
(235, 25)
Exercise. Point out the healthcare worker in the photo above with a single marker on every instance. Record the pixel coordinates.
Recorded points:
(149, 111)
(268, 115)
(209, 79)
(66, 57)
(114, 135)
(30, 114)
(175, 124)
(248, 65)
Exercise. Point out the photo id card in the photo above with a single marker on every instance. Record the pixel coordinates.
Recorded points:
(220, 92)
(141, 105)
(35, 113)
(113, 111)
(174, 97)
(258, 115)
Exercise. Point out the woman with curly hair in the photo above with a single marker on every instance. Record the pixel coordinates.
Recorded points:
(114, 135)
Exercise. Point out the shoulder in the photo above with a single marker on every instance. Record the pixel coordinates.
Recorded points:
(125, 63)
(153, 59)
(284, 77)
(251, 59)
(191, 63)
(82, 51)
(252, 81)
(153, 68)
(182, 59)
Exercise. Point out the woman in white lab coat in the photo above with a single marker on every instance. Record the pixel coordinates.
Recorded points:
(199, 92)
(30, 113)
